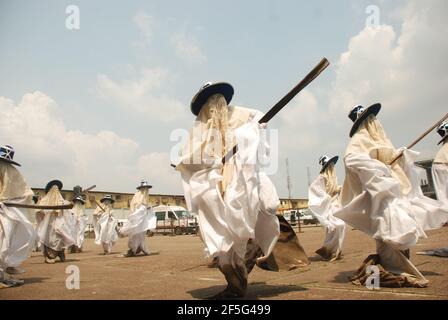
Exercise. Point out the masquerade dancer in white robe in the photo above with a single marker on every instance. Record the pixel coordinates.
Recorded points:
(385, 201)
(77, 220)
(139, 222)
(17, 236)
(53, 229)
(235, 202)
(440, 166)
(107, 226)
(323, 196)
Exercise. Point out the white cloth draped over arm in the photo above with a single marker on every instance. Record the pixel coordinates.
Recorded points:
(429, 213)
(141, 220)
(323, 206)
(380, 210)
(319, 201)
(440, 178)
(107, 226)
(440, 173)
(17, 235)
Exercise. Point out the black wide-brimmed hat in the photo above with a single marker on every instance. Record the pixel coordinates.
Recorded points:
(53, 183)
(325, 161)
(7, 155)
(107, 197)
(144, 184)
(443, 131)
(79, 199)
(359, 113)
(206, 91)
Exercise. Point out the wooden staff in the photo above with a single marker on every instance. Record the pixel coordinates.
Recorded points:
(40, 207)
(43, 207)
(313, 74)
(420, 138)
(90, 188)
(321, 66)
(96, 202)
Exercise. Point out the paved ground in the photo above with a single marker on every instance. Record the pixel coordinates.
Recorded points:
(179, 272)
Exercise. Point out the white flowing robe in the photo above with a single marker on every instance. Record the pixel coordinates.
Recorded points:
(17, 235)
(53, 228)
(77, 220)
(381, 210)
(247, 209)
(107, 230)
(323, 205)
(385, 201)
(440, 173)
(95, 217)
(138, 223)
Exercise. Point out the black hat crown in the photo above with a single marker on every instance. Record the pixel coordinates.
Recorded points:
(207, 90)
(7, 154)
(144, 184)
(52, 183)
(323, 160)
(326, 161)
(359, 114)
(107, 197)
(79, 198)
(356, 112)
(443, 129)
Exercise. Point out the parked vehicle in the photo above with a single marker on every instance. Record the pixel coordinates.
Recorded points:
(174, 219)
(307, 217)
(291, 216)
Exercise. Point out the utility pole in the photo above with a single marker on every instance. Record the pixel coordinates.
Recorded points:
(289, 185)
(309, 175)
(288, 179)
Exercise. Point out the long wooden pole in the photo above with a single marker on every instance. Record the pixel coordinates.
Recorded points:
(313, 74)
(420, 138)
(96, 202)
(36, 206)
(90, 188)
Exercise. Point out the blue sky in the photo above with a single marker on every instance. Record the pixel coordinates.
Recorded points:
(132, 68)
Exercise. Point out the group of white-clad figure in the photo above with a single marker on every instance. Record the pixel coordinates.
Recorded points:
(382, 200)
(237, 203)
(59, 229)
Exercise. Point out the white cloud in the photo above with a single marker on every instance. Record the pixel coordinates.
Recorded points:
(144, 95)
(187, 48)
(47, 150)
(145, 24)
(301, 121)
(404, 70)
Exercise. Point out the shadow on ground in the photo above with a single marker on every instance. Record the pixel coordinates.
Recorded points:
(255, 291)
(343, 277)
(430, 273)
(35, 280)
(140, 255)
(315, 258)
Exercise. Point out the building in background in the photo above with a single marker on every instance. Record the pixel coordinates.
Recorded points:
(123, 200)
(427, 185)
